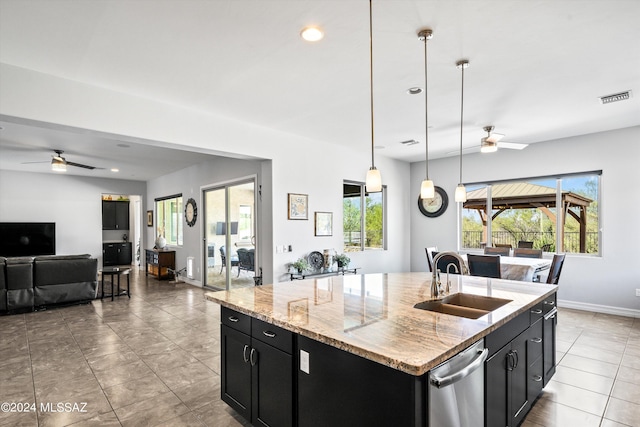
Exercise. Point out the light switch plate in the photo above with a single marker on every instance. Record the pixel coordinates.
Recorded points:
(304, 361)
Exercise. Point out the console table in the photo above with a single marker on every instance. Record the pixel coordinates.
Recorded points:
(158, 263)
(339, 272)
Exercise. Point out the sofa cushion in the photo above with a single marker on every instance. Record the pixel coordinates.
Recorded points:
(65, 293)
(55, 257)
(65, 270)
(19, 274)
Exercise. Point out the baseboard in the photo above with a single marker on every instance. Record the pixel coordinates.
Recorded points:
(191, 282)
(597, 308)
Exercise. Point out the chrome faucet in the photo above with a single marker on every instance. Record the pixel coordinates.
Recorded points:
(435, 278)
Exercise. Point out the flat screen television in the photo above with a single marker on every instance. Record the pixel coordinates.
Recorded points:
(27, 238)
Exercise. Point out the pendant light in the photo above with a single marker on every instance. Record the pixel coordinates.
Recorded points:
(461, 192)
(373, 182)
(427, 190)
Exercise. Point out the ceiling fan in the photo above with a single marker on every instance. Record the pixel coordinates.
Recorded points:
(59, 163)
(490, 143)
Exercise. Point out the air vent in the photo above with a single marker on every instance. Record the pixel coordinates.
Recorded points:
(409, 142)
(608, 99)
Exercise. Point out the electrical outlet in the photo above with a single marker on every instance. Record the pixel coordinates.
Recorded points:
(290, 248)
(638, 292)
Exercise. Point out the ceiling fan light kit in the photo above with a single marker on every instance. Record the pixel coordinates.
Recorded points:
(58, 164)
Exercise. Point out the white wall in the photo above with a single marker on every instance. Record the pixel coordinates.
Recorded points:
(298, 164)
(606, 283)
(73, 203)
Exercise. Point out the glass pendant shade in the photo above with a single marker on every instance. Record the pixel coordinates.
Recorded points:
(373, 183)
(461, 194)
(427, 190)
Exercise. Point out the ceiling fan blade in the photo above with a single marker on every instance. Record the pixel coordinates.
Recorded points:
(79, 165)
(495, 137)
(31, 163)
(512, 145)
(470, 149)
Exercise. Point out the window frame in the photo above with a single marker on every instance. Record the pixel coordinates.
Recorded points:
(559, 218)
(176, 226)
(363, 218)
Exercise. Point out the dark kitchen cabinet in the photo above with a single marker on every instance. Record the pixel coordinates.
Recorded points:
(257, 369)
(520, 355)
(115, 215)
(549, 338)
(507, 396)
(116, 253)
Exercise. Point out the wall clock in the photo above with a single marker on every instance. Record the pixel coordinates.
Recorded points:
(191, 212)
(436, 206)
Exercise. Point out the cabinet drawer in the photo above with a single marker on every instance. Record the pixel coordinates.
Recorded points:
(534, 347)
(238, 321)
(536, 313)
(506, 333)
(549, 303)
(272, 335)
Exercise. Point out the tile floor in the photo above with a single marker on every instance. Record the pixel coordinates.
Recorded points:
(153, 360)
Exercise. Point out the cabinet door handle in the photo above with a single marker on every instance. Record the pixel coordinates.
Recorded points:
(536, 340)
(515, 353)
(536, 311)
(253, 352)
(537, 378)
(510, 362)
(244, 353)
(550, 302)
(233, 319)
(269, 334)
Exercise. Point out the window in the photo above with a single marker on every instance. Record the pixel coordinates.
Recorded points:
(169, 219)
(527, 210)
(363, 218)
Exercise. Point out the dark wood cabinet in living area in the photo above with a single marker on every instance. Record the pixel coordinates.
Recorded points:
(115, 215)
(116, 253)
(257, 369)
(159, 263)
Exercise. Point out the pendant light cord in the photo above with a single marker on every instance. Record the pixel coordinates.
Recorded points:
(371, 78)
(426, 109)
(463, 66)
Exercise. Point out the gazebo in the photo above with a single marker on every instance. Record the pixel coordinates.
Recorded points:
(522, 195)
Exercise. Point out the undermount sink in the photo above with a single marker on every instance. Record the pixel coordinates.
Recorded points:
(463, 305)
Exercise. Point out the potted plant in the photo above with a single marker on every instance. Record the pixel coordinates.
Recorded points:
(300, 264)
(342, 260)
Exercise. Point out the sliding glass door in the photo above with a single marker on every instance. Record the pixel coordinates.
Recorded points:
(230, 235)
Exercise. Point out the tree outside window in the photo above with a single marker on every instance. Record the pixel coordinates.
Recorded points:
(362, 231)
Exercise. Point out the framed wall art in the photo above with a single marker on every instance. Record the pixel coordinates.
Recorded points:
(324, 223)
(298, 206)
(149, 218)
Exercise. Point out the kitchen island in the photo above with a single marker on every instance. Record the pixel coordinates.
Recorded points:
(354, 348)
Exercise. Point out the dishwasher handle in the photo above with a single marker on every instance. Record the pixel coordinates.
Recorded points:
(476, 363)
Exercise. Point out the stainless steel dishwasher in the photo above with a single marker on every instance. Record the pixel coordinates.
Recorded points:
(456, 389)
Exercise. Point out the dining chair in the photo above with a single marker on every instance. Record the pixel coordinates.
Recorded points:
(484, 265)
(555, 269)
(430, 252)
(504, 251)
(527, 253)
(525, 244)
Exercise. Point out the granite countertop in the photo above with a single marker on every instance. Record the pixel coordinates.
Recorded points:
(373, 316)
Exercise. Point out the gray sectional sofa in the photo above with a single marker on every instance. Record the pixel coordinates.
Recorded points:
(30, 283)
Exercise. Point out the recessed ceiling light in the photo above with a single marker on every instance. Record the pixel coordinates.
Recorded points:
(312, 34)
(414, 90)
(115, 170)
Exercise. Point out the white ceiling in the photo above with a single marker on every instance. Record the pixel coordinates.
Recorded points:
(536, 69)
